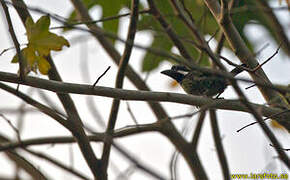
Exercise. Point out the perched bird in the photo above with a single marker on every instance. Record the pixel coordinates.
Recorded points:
(200, 83)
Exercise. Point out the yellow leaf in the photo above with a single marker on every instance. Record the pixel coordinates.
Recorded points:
(29, 26)
(30, 58)
(43, 65)
(49, 41)
(40, 39)
(275, 124)
(40, 43)
(28, 54)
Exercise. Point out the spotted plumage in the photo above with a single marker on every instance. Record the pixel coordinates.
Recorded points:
(199, 83)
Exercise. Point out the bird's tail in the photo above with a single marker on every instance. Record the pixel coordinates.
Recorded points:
(237, 70)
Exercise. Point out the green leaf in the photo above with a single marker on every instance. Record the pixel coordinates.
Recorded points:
(73, 15)
(161, 40)
(152, 61)
(110, 8)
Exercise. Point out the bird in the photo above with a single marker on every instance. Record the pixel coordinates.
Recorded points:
(200, 83)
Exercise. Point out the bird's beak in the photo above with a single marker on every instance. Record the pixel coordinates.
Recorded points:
(173, 74)
(168, 72)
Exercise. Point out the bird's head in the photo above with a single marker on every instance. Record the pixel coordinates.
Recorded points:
(177, 75)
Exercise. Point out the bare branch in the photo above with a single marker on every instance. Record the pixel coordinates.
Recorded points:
(271, 57)
(197, 131)
(101, 76)
(272, 116)
(219, 145)
(62, 87)
(171, 33)
(119, 81)
(46, 110)
(15, 41)
(275, 24)
(131, 113)
(68, 25)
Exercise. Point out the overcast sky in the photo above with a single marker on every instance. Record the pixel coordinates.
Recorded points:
(247, 151)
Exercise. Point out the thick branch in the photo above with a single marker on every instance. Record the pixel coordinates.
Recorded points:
(62, 87)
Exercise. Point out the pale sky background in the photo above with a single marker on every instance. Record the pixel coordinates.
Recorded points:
(247, 151)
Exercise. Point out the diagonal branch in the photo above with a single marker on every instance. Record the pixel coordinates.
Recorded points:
(158, 110)
(15, 41)
(169, 30)
(221, 14)
(275, 24)
(31, 169)
(43, 156)
(46, 110)
(119, 81)
(197, 130)
(219, 145)
(68, 104)
(239, 47)
(114, 54)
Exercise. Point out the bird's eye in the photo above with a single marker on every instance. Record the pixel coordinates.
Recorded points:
(179, 68)
(174, 68)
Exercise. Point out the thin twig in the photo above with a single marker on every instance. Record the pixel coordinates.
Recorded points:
(186, 128)
(12, 126)
(234, 64)
(46, 110)
(131, 158)
(137, 163)
(272, 20)
(101, 76)
(131, 113)
(281, 149)
(272, 116)
(261, 49)
(101, 36)
(69, 25)
(170, 31)
(250, 86)
(259, 66)
(57, 163)
(21, 59)
(245, 55)
(212, 36)
(7, 49)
